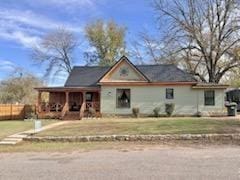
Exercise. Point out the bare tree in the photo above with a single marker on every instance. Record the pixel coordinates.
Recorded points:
(203, 35)
(150, 48)
(56, 50)
(146, 48)
(232, 78)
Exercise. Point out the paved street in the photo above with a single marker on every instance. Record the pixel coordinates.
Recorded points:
(213, 162)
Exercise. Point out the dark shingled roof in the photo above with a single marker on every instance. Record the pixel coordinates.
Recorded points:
(90, 75)
(165, 73)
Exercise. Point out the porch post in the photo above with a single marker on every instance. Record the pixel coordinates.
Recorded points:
(84, 97)
(99, 99)
(83, 106)
(39, 101)
(67, 100)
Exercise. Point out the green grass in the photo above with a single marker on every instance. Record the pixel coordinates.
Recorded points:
(145, 126)
(68, 146)
(11, 127)
(47, 147)
(113, 126)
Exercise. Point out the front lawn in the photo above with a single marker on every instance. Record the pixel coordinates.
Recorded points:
(72, 146)
(11, 127)
(145, 126)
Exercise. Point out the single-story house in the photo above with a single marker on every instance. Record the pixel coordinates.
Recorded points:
(117, 89)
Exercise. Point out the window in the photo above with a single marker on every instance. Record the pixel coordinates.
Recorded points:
(89, 96)
(123, 98)
(169, 93)
(209, 98)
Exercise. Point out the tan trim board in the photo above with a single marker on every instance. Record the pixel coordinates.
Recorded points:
(146, 83)
(69, 89)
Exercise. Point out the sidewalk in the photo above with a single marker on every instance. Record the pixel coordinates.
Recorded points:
(18, 137)
(237, 117)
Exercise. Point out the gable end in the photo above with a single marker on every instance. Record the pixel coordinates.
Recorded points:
(123, 71)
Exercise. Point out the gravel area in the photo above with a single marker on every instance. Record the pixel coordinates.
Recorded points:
(158, 162)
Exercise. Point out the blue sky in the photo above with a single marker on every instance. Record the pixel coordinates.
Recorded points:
(24, 22)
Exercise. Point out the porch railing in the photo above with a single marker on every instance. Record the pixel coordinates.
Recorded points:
(93, 104)
(56, 107)
(51, 107)
(87, 105)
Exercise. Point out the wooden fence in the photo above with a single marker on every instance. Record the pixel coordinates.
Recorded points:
(15, 112)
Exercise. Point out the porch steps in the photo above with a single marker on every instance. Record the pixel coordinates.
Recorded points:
(11, 140)
(7, 143)
(16, 138)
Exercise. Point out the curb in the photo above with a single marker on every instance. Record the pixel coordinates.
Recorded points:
(226, 138)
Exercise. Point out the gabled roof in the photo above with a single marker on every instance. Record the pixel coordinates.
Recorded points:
(85, 76)
(165, 73)
(91, 75)
(125, 59)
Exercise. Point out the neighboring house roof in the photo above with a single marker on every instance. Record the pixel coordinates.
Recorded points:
(202, 85)
(90, 75)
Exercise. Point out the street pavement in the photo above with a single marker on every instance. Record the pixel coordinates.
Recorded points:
(159, 162)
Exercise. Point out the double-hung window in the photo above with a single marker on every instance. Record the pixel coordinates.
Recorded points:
(209, 98)
(123, 98)
(169, 93)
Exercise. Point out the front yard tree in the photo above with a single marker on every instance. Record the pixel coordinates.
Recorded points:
(107, 41)
(56, 51)
(203, 35)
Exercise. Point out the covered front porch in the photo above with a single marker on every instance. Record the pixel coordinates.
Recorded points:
(68, 103)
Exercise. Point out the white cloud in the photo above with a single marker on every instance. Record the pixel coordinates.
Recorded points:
(25, 39)
(27, 27)
(70, 2)
(31, 19)
(7, 66)
(69, 5)
(22, 38)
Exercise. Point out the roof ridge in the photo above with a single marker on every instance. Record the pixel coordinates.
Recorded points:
(91, 66)
(156, 65)
(134, 65)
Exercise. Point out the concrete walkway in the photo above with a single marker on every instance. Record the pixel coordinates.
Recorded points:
(18, 137)
(237, 117)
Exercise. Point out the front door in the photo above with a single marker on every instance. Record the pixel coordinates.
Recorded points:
(75, 101)
(92, 100)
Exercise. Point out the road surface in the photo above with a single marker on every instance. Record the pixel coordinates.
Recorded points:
(210, 162)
